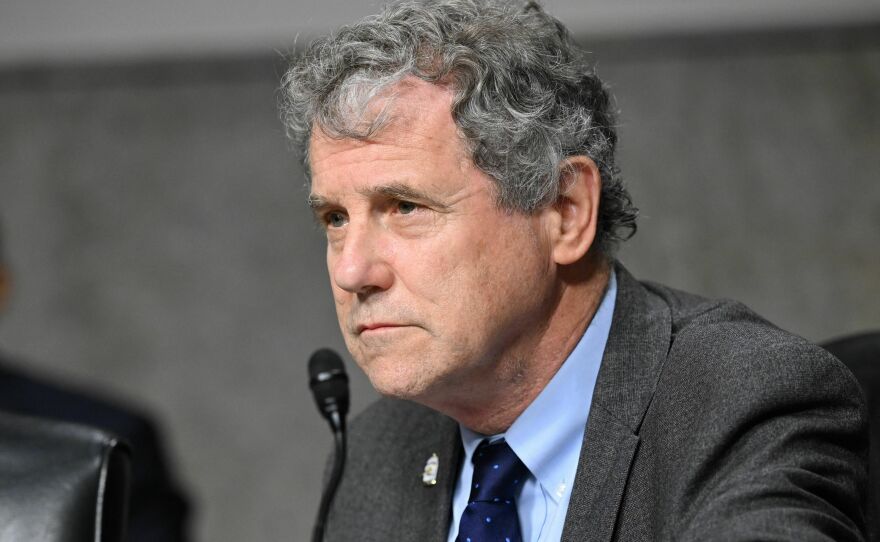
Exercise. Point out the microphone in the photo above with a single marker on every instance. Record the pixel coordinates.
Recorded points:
(329, 384)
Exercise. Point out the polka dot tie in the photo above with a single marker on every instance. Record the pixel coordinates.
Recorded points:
(490, 515)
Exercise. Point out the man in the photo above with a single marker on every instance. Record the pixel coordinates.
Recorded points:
(158, 507)
(461, 157)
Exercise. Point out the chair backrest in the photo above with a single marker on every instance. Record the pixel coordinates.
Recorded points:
(861, 353)
(61, 482)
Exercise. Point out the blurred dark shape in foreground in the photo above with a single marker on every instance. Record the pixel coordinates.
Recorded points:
(158, 507)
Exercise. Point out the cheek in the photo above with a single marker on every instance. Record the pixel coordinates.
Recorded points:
(460, 285)
(427, 272)
(341, 299)
(511, 275)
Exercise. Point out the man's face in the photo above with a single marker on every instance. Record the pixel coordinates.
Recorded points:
(435, 287)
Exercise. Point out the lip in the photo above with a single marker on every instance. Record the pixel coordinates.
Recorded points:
(377, 326)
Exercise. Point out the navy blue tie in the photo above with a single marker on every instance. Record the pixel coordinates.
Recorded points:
(490, 515)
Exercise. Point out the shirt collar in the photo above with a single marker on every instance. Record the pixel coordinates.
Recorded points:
(547, 436)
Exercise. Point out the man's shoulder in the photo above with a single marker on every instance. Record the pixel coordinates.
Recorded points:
(722, 356)
(727, 336)
(693, 313)
(727, 367)
(744, 416)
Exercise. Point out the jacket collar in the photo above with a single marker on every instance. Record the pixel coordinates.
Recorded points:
(637, 346)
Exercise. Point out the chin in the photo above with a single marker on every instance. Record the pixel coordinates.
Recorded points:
(393, 385)
(395, 391)
(398, 379)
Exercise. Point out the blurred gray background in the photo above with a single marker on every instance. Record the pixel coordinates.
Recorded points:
(155, 218)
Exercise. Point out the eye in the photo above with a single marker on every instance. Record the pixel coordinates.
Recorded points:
(406, 207)
(335, 219)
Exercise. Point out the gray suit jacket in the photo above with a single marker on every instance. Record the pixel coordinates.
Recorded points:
(707, 423)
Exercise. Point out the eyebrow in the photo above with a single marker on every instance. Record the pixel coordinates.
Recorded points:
(316, 202)
(399, 191)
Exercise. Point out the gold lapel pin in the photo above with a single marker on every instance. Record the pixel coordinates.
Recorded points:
(429, 475)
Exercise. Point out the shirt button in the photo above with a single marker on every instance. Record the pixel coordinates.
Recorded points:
(560, 490)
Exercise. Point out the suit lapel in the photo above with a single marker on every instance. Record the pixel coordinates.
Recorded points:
(430, 505)
(637, 345)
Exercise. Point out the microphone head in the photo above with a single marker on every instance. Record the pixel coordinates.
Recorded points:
(329, 383)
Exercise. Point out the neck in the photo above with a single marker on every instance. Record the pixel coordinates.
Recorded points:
(520, 377)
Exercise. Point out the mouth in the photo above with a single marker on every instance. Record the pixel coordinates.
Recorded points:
(377, 326)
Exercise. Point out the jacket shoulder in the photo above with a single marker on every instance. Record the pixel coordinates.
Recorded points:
(721, 335)
(751, 429)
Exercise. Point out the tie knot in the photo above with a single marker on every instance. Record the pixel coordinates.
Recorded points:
(498, 472)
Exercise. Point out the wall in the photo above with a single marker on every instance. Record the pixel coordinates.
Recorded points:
(163, 251)
(47, 30)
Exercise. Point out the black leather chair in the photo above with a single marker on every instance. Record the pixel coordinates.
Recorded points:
(61, 482)
(861, 353)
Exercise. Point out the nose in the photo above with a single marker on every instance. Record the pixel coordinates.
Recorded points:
(359, 266)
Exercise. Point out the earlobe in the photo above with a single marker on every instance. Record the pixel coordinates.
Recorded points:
(577, 210)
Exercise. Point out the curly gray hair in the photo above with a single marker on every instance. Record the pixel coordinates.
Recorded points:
(525, 98)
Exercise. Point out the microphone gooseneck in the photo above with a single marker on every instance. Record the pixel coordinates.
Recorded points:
(329, 384)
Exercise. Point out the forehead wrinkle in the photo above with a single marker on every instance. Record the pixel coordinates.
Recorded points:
(391, 189)
(397, 190)
(421, 129)
(352, 153)
(401, 191)
(347, 158)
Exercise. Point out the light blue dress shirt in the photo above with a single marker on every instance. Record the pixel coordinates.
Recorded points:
(547, 436)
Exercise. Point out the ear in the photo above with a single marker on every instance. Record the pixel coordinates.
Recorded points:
(575, 214)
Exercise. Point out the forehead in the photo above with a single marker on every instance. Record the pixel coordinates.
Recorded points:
(420, 131)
